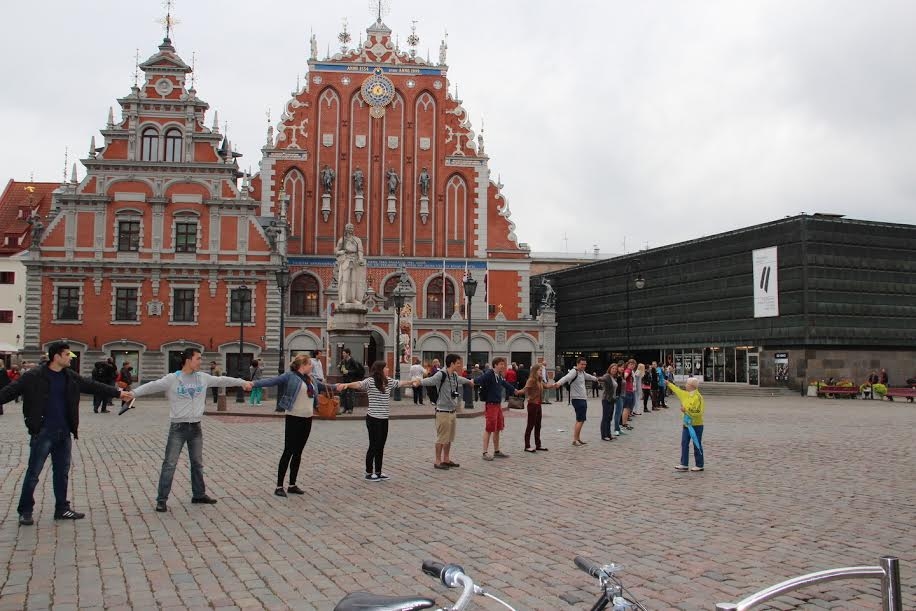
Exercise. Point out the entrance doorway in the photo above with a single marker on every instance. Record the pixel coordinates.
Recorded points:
(128, 356)
(753, 369)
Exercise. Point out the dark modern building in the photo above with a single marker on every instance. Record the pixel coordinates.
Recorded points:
(810, 296)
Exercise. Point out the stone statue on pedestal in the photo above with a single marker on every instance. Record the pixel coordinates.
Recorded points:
(351, 268)
(359, 181)
(549, 294)
(424, 183)
(393, 181)
(327, 178)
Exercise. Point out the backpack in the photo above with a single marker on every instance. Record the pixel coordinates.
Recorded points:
(99, 371)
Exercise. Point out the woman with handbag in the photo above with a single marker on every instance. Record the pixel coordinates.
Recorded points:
(298, 401)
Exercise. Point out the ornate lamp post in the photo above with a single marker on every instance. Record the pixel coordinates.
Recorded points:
(639, 282)
(399, 297)
(470, 288)
(283, 284)
(244, 305)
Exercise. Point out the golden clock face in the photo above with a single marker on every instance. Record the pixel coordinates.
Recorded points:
(378, 90)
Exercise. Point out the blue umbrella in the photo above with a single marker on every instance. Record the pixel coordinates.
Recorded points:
(688, 421)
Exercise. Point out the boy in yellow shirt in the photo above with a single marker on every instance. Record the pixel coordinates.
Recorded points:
(693, 407)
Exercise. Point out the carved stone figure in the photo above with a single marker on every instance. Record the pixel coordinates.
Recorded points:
(359, 181)
(327, 178)
(549, 295)
(313, 44)
(37, 229)
(272, 231)
(424, 183)
(351, 268)
(393, 181)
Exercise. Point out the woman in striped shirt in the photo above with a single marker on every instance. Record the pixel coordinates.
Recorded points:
(378, 386)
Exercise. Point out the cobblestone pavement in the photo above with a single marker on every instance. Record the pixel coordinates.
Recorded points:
(791, 486)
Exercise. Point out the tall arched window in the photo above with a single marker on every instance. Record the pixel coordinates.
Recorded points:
(149, 145)
(304, 296)
(173, 145)
(294, 185)
(440, 298)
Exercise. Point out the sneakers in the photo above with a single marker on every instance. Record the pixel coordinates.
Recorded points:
(68, 514)
(498, 454)
(294, 489)
(487, 456)
(680, 467)
(205, 500)
(25, 519)
(382, 477)
(530, 450)
(279, 491)
(616, 433)
(541, 449)
(372, 477)
(696, 469)
(161, 506)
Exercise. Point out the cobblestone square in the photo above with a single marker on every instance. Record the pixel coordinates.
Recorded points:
(791, 486)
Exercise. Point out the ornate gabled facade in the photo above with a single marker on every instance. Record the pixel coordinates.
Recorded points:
(156, 248)
(375, 139)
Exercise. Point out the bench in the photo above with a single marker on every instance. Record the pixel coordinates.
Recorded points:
(828, 391)
(903, 391)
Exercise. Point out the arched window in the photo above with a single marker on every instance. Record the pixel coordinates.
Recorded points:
(149, 150)
(173, 145)
(304, 296)
(392, 282)
(439, 295)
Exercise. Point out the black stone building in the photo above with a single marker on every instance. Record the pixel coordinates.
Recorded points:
(845, 291)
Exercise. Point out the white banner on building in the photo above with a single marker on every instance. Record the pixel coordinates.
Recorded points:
(766, 283)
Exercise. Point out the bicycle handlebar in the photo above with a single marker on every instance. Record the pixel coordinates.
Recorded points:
(590, 566)
(433, 568)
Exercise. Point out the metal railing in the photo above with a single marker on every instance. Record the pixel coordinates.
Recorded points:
(888, 572)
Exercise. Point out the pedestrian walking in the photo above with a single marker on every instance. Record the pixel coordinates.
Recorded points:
(50, 405)
(534, 392)
(693, 407)
(186, 391)
(378, 386)
(255, 373)
(493, 384)
(448, 384)
(576, 378)
(299, 400)
(608, 398)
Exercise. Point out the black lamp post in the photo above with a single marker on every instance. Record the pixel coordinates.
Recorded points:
(470, 287)
(640, 282)
(283, 284)
(244, 301)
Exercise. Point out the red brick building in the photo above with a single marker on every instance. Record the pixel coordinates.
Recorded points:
(156, 248)
(375, 138)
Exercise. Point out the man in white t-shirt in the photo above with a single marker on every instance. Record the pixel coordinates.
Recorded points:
(317, 367)
(417, 373)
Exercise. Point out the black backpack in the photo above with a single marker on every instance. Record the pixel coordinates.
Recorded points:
(100, 372)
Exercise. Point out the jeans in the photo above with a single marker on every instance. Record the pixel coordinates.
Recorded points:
(607, 416)
(179, 434)
(57, 444)
(346, 400)
(685, 446)
(297, 434)
(255, 397)
(99, 401)
(378, 435)
(215, 391)
(418, 395)
(534, 424)
(618, 412)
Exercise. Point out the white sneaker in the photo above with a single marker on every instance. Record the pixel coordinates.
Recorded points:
(616, 433)
(383, 476)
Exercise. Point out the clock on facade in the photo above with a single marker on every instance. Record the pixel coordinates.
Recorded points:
(377, 91)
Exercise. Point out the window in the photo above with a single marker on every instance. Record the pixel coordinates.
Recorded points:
(68, 303)
(186, 237)
(434, 298)
(6, 316)
(183, 305)
(7, 277)
(128, 236)
(303, 297)
(173, 145)
(240, 305)
(126, 304)
(149, 150)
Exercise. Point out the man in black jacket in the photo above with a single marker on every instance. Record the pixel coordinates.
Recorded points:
(352, 371)
(51, 397)
(104, 372)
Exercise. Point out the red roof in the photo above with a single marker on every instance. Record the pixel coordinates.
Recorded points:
(15, 196)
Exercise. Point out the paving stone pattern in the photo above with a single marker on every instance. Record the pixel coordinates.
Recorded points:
(792, 485)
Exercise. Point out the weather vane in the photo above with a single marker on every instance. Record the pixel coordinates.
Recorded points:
(136, 66)
(193, 69)
(168, 21)
(413, 40)
(380, 7)
(344, 37)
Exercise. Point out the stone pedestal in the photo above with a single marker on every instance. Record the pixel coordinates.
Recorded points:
(392, 208)
(358, 208)
(424, 208)
(326, 205)
(347, 328)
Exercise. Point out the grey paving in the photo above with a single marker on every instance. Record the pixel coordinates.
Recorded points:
(792, 485)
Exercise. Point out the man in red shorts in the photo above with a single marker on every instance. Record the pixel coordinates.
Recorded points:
(492, 384)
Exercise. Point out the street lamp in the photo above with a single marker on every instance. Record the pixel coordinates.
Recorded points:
(244, 301)
(283, 284)
(398, 298)
(640, 282)
(470, 287)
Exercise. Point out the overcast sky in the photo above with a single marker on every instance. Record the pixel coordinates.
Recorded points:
(609, 122)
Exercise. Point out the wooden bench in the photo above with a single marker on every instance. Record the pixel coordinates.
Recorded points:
(903, 391)
(849, 391)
